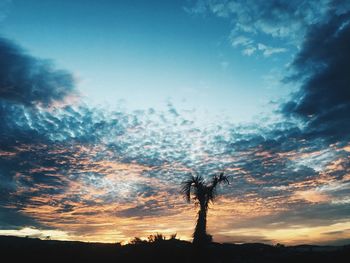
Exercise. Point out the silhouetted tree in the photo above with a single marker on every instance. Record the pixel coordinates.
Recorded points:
(202, 194)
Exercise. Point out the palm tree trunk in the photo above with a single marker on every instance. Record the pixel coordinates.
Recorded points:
(200, 233)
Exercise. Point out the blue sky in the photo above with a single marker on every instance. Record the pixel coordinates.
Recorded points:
(147, 54)
(107, 106)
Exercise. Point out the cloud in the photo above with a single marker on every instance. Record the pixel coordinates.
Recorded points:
(321, 66)
(30, 81)
(241, 41)
(12, 219)
(276, 18)
(36, 233)
(250, 47)
(286, 22)
(248, 51)
(268, 51)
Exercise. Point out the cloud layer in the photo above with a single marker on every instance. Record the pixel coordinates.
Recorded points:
(91, 173)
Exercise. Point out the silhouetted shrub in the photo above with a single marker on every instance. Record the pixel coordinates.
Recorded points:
(137, 241)
(156, 238)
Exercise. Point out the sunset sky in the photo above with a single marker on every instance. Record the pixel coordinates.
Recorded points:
(107, 106)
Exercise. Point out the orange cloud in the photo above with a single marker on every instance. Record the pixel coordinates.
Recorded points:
(312, 196)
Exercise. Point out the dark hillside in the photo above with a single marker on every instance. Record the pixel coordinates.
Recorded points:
(17, 249)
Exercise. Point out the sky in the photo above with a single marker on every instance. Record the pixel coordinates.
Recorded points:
(107, 106)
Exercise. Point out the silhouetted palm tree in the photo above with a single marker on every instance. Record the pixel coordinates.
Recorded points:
(202, 194)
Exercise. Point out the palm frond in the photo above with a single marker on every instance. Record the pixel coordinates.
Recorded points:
(186, 189)
(194, 182)
(221, 178)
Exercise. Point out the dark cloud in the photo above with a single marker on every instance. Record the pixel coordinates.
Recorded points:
(28, 80)
(337, 232)
(323, 67)
(12, 219)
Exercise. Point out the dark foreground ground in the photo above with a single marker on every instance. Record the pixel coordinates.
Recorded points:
(15, 249)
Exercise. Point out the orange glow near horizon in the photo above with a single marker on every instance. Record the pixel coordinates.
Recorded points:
(83, 212)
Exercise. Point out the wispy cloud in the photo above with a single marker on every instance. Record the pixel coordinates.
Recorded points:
(277, 19)
(249, 47)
